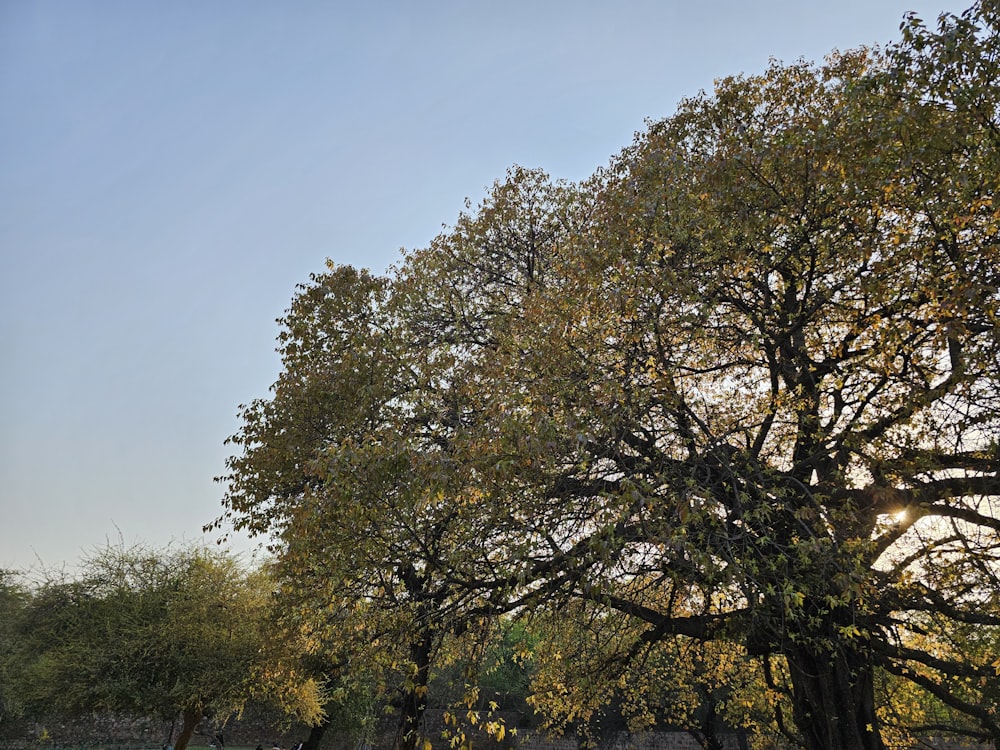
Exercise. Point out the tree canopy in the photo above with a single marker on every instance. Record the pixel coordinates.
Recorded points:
(738, 390)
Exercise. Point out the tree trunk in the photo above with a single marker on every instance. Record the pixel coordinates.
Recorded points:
(408, 735)
(316, 733)
(191, 717)
(706, 735)
(834, 699)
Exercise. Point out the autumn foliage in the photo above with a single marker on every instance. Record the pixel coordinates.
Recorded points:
(723, 421)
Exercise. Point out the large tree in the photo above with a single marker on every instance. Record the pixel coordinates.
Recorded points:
(765, 381)
(740, 387)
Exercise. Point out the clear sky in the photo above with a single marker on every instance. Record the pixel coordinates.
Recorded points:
(169, 171)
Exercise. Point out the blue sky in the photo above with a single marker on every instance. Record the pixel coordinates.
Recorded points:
(169, 171)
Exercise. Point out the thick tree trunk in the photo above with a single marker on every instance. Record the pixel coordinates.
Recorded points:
(191, 718)
(408, 735)
(834, 700)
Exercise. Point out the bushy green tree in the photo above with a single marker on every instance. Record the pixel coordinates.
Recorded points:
(165, 634)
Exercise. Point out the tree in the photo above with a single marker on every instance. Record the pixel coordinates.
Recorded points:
(739, 392)
(328, 471)
(765, 380)
(159, 634)
(350, 467)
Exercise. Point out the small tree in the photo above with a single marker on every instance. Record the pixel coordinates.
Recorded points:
(166, 634)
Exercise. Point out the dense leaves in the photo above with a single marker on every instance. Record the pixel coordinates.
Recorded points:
(729, 408)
